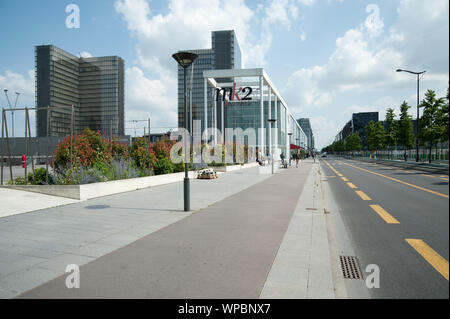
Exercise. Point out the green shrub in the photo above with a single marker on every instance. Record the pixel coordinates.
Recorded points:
(17, 181)
(163, 166)
(39, 175)
(88, 149)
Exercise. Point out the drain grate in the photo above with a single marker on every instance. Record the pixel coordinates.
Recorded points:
(350, 267)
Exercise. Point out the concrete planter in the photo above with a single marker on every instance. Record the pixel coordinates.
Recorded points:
(231, 168)
(88, 191)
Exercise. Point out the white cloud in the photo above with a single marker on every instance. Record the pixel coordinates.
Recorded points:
(302, 36)
(374, 23)
(151, 84)
(85, 54)
(306, 2)
(15, 82)
(358, 64)
(150, 98)
(365, 58)
(324, 130)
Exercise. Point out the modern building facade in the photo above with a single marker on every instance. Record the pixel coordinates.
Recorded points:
(358, 124)
(263, 102)
(91, 88)
(225, 53)
(305, 124)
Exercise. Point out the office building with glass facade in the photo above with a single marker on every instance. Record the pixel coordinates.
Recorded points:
(263, 103)
(358, 124)
(93, 86)
(305, 124)
(224, 54)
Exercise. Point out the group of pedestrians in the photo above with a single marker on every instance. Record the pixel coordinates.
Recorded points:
(295, 156)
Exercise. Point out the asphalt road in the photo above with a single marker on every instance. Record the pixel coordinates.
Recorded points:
(406, 235)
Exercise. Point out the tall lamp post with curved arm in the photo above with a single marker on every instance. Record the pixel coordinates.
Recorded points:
(185, 59)
(417, 119)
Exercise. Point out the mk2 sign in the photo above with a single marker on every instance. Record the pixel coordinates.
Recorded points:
(242, 94)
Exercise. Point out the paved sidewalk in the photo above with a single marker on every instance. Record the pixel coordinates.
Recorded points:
(37, 246)
(13, 202)
(302, 268)
(225, 250)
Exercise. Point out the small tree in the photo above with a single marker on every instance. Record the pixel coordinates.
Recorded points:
(444, 118)
(339, 146)
(376, 136)
(391, 129)
(405, 128)
(430, 123)
(353, 142)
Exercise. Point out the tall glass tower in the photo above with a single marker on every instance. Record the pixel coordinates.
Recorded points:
(94, 86)
(225, 53)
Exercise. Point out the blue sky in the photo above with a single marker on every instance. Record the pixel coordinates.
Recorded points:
(329, 58)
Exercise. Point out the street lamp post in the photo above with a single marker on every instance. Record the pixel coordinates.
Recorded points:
(290, 134)
(185, 59)
(417, 118)
(271, 121)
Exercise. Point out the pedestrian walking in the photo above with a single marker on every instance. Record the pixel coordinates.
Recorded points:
(282, 160)
(297, 157)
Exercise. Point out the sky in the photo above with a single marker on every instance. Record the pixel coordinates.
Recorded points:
(328, 58)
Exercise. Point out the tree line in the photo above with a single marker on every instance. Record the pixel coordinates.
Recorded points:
(433, 129)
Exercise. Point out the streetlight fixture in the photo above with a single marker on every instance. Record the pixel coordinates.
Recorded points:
(417, 119)
(10, 107)
(290, 134)
(271, 121)
(185, 59)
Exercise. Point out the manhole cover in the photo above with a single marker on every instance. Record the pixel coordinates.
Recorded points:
(350, 267)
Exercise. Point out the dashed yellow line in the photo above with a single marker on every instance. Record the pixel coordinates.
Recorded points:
(351, 185)
(388, 218)
(363, 195)
(432, 257)
(429, 175)
(400, 181)
(345, 179)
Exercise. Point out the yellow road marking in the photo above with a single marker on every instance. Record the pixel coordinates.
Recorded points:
(429, 175)
(363, 195)
(400, 181)
(344, 179)
(331, 176)
(432, 257)
(351, 185)
(444, 176)
(444, 179)
(388, 218)
(339, 174)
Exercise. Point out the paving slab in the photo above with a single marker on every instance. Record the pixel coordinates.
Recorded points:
(99, 226)
(224, 250)
(14, 202)
(302, 267)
